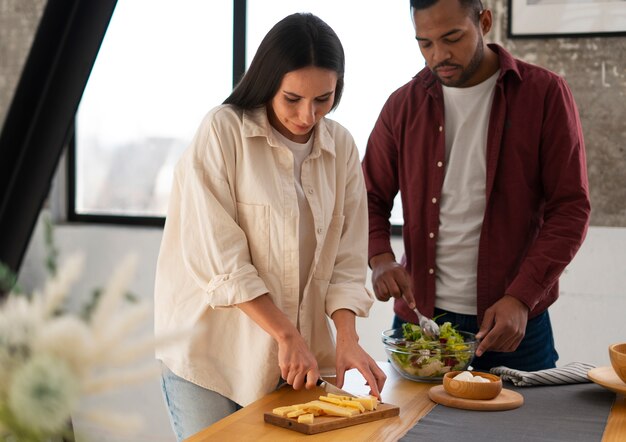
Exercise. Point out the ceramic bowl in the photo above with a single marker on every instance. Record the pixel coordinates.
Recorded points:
(617, 353)
(427, 362)
(472, 390)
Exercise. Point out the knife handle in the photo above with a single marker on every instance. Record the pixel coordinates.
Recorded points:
(283, 382)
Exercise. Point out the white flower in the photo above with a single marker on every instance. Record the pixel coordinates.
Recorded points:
(43, 393)
(67, 338)
(50, 360)
(18, 325)
(57, 288)
(113, 295)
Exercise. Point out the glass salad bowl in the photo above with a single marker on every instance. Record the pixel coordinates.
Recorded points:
(419, 358)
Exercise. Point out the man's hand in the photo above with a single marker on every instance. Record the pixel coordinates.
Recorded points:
(390, 279)
(503, 326)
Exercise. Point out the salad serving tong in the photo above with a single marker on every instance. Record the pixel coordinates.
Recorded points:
(428, 326)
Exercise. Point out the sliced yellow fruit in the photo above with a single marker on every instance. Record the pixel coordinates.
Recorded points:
(282, 411)
(332, 400)
(353, 404)
(313, 408)
(332, 409)
(315, 411)
(369, 402)
(306, 418)
(296, 413)
(339, 396)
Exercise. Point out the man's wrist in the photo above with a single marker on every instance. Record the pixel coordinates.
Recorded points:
(519, 301)
(381, 259)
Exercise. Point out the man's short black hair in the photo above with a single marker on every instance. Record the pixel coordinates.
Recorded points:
(473, 7)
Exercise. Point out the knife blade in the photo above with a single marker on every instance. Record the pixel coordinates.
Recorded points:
(330, 388)
(327, 386)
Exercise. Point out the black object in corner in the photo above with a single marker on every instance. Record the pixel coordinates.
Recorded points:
(41, 114)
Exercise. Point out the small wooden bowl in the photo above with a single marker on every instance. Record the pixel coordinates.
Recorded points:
(472, 390)
(617, 353)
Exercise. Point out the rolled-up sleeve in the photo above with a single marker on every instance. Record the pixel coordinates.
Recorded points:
(214, 247)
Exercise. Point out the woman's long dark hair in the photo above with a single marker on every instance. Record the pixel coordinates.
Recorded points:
(297, 41)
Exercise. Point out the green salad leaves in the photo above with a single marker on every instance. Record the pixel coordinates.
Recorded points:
(420, 356)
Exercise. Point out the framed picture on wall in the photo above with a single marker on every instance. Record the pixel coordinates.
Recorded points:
(566, 18)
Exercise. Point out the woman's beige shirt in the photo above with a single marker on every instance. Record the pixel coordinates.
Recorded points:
(231, 235)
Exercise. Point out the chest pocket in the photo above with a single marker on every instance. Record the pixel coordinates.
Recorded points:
(328, 255)
(254, 220)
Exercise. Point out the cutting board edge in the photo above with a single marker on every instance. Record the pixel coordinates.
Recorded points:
(292, 424)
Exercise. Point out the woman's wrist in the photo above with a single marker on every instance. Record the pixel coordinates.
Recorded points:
(345, 324)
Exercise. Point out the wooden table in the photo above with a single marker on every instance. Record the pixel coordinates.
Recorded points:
(412, 397)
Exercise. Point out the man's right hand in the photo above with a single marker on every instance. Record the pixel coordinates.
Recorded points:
(390, 279)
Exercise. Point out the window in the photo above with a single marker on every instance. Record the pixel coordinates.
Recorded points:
(161, 67)
(164, 64)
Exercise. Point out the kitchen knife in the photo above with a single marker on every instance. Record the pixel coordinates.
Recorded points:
(327, 386)
(330, 388)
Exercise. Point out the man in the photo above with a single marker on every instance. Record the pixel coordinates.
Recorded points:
(488, 155)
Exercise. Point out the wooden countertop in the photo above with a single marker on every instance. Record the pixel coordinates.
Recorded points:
(247, 424)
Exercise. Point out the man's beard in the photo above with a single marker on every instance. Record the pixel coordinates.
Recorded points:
(466, 73)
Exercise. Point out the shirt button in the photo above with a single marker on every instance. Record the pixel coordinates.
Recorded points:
(440, 128)
(310, 191)
(434, 200)
(431, 234)
(431, 271)
(319, 230)
(439, 164)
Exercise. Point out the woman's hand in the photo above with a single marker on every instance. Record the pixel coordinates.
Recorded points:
(295, 360)
(351, 355)
(297, 363)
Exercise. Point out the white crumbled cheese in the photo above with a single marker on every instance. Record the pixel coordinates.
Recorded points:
(468, 377)
(480, 379)
(464, 376)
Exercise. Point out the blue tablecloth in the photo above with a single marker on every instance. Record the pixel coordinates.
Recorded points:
(550, 413)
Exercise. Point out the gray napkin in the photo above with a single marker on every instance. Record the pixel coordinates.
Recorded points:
(572, 373)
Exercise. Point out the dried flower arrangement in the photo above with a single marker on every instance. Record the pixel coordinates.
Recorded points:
(50, 359)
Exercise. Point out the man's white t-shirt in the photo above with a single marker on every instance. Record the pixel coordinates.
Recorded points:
(463, 199)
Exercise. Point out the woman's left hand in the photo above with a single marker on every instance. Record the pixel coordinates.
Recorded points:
(351, 355)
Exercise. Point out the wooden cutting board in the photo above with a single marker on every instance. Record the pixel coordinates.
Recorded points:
(506, 400)
(327, 423)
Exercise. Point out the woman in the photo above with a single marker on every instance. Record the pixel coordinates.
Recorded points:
(266, 237)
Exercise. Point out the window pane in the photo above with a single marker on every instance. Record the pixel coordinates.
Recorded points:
(161, 67)
(380, 47)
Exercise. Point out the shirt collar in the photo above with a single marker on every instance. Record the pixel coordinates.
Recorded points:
(508, 63)
(256, 124)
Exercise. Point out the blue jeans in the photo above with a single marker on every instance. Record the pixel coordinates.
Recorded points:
(535, 352)
(191, 407)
